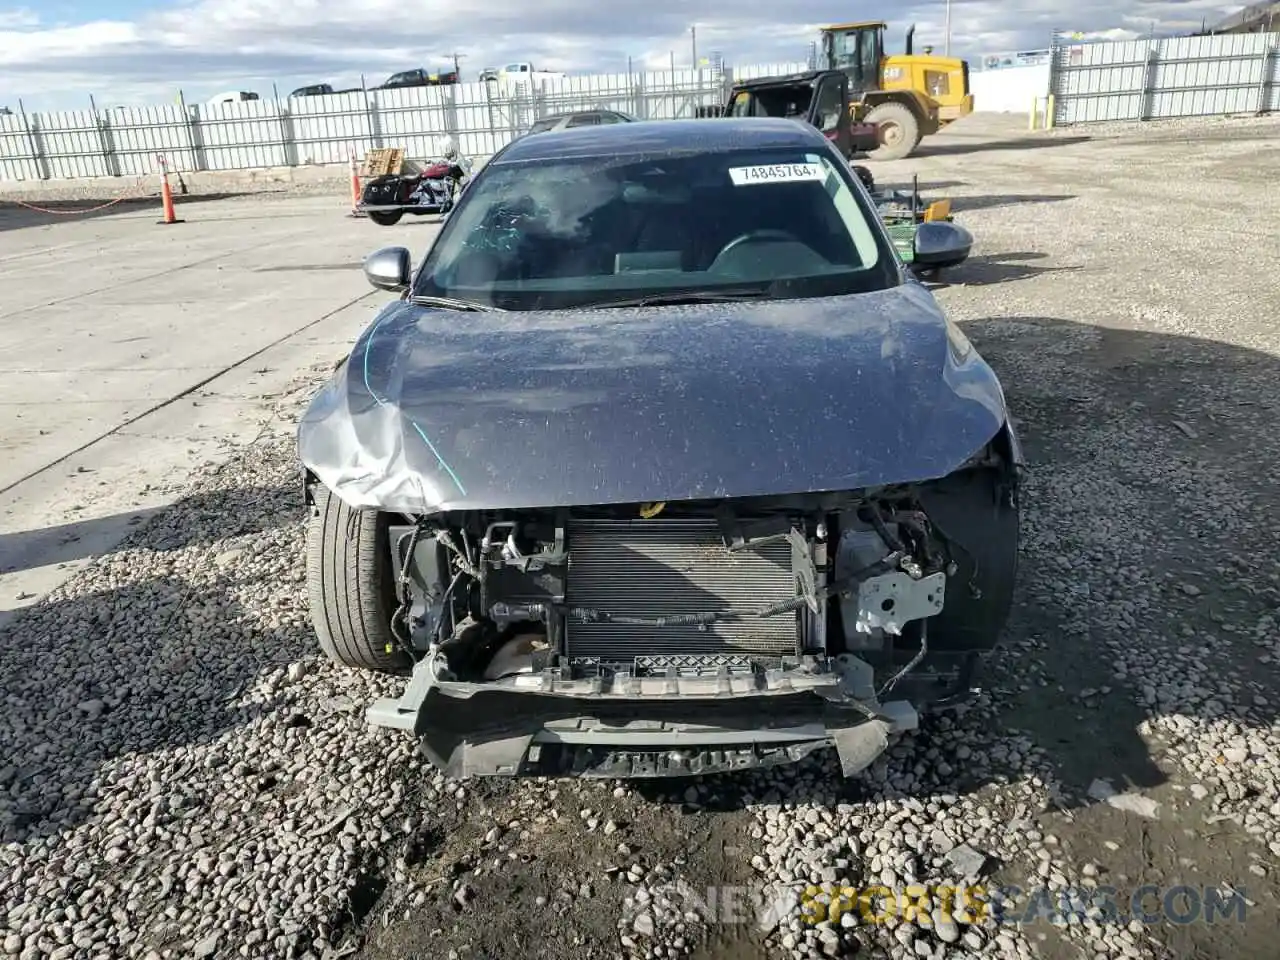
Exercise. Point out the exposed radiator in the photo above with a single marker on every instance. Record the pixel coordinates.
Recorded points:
(654, 568)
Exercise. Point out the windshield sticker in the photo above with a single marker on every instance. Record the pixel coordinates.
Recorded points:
(776, 173)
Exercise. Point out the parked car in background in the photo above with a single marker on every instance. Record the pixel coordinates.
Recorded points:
(420, 78)
(523, 72)
(527, 71)
(580, 118)
(321, 90)
(232, 96)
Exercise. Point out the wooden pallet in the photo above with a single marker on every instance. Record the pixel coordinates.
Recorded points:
(382, 161)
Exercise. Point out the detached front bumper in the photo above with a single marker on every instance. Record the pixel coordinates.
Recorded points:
(532, 725)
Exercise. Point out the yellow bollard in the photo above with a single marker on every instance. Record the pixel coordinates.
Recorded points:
(1048, 113)
(1035, 109)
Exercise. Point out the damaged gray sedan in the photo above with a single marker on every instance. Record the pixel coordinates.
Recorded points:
(661, 464)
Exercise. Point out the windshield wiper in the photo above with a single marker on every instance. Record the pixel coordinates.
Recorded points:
(686, 296)
(452, 303)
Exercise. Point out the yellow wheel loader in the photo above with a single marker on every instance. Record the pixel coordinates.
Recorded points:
(906, 96)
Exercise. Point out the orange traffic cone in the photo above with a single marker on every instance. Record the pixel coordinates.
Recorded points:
(166, 196)
(355, 188)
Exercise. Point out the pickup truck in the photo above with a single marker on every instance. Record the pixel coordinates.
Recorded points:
(320, 90)
(231, 96)
(420, 78)
(524, 72)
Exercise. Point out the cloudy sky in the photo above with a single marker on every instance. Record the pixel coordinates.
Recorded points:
(54, 53)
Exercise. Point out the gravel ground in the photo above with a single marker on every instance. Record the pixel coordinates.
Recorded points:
(183, 776)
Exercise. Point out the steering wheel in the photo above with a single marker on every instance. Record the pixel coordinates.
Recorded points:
(756, 236)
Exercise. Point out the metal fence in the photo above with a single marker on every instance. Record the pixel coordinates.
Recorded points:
(1130, 80)
(1165, 78)
(124, 142)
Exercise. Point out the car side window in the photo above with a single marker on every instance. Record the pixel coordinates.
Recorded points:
(610, 118)
(584, 120)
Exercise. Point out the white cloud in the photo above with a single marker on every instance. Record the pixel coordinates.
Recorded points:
(1114, 34)
(214, 45)
(19, 19)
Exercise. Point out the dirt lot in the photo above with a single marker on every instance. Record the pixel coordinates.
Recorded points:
(181, 775)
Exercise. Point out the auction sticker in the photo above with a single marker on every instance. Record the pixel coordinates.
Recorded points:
(777, 173)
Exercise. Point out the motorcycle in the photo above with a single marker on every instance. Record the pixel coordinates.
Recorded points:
(435, 189)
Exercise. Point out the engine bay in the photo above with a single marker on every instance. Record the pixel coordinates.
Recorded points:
(603, 598)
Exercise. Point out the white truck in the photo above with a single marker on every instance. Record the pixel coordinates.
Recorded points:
(231, 96)
(524, 72)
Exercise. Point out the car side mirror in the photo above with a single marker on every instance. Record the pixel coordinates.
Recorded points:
(389, 268)
(941, 244)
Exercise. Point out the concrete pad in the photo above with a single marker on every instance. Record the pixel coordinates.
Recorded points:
(132, 353)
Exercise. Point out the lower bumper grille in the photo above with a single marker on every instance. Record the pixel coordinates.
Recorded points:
(656, 568)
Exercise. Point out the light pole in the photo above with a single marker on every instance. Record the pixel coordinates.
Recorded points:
(693, 42)
(947, 30)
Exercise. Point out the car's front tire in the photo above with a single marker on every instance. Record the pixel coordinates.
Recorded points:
(350, 586)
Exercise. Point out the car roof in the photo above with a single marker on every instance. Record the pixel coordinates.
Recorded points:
(712, 135)
(577, 113)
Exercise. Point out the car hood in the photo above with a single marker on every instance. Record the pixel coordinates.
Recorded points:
(442, 410)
